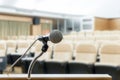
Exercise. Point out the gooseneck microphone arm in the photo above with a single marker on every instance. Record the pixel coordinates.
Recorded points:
(44, 49)
(9, 70)
(32, 65)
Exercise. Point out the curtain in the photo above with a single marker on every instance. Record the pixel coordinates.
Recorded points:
(14, 28)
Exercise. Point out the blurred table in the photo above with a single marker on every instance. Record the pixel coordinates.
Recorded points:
(56, 77)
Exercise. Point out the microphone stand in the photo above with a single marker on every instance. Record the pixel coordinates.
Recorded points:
(44, 49)
(9, 70)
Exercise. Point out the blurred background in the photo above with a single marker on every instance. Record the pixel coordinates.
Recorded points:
(91, 36)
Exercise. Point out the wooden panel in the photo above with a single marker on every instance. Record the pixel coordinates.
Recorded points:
(101, 24)
(56, 77)
(15, 18)
(36, 29)
(114, 24)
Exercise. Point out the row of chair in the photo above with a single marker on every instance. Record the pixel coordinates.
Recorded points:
(96, 35)
(14, 47)
(83, 63)
(22, 37)
(57, 67)
(81, 53)
(65, 48)
(77, 38)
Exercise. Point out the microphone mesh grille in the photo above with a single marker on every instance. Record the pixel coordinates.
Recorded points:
(55, 36)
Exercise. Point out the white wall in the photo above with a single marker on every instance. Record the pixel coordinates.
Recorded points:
(99, 8)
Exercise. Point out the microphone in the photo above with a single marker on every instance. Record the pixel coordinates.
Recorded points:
(55, 37)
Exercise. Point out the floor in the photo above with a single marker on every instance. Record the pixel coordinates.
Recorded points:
(17, 70)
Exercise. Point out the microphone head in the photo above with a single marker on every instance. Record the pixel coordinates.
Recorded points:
(55, 36)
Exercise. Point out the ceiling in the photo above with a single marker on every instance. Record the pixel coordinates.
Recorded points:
(99, 8)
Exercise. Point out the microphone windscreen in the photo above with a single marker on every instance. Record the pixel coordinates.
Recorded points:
(55, 36)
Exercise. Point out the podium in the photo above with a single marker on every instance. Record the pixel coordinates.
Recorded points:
(56, 77)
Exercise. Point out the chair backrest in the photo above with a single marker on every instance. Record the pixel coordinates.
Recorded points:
(22, 37)
(22, 46)
(86, 52)
(110, 53)
(11, 46)
(30, 37)
(13, 37)
(63, 51)
(3, 48)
